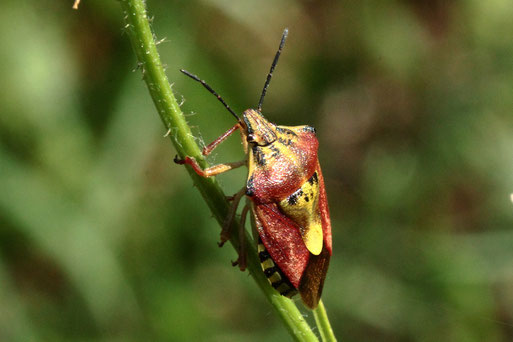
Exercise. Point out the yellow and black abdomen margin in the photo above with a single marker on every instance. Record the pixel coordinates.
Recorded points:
(278, 280)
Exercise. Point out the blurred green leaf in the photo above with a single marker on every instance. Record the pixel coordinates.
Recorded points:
(102, 238)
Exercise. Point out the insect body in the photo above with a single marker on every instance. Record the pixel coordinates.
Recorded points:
(287, 198)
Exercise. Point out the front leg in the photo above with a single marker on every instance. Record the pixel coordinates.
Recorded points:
(211, 171)
(210, 147)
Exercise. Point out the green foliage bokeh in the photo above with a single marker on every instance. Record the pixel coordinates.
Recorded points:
(103, 238)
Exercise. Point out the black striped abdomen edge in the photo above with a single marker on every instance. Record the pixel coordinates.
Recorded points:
(278, 280)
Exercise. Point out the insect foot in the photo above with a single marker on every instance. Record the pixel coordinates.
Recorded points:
(241, 262)
(178, 161)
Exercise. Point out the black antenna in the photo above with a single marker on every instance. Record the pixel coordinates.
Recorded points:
(196, 78)
(270, 74)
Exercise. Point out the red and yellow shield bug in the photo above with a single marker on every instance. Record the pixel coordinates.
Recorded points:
(286, 195)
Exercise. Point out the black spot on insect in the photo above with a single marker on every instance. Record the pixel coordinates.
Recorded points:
(277, 284)
(264, 255)
(295, 196)
(286, 142)
(309, 129)
(286, 131)
(313, 179)
(259, 156)
(275, 152)
(250, 187)
(289, 292)
(249, 127)
(274, 148)
(270, 271)
(307, 199)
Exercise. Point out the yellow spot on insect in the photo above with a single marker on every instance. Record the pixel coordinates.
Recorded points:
(275, 277)
(302, 207)
(268, 264)
(313, 238)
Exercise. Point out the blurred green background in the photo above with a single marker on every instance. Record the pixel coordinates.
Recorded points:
(103, 238)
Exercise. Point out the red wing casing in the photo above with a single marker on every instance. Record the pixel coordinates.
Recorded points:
(325, 212)
(312, 280)
(281, 237)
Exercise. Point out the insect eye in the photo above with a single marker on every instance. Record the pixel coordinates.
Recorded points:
(250, 138)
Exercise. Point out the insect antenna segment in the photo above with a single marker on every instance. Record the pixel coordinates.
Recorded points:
(196, 78)
(270, 74)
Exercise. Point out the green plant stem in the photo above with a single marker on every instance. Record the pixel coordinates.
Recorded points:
(323, 323)
(143, 43)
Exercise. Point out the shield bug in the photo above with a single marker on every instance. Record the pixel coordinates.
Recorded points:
(286, 195)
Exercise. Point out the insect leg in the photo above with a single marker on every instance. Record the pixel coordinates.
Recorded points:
(241, 261)
(211, 171)
(210, 147)
(225, 232)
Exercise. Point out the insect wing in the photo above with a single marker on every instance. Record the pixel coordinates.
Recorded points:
(312, 281)
(314, 275)
(282, 239)
(325, 213)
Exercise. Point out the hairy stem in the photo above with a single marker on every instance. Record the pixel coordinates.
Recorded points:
(143, 43)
